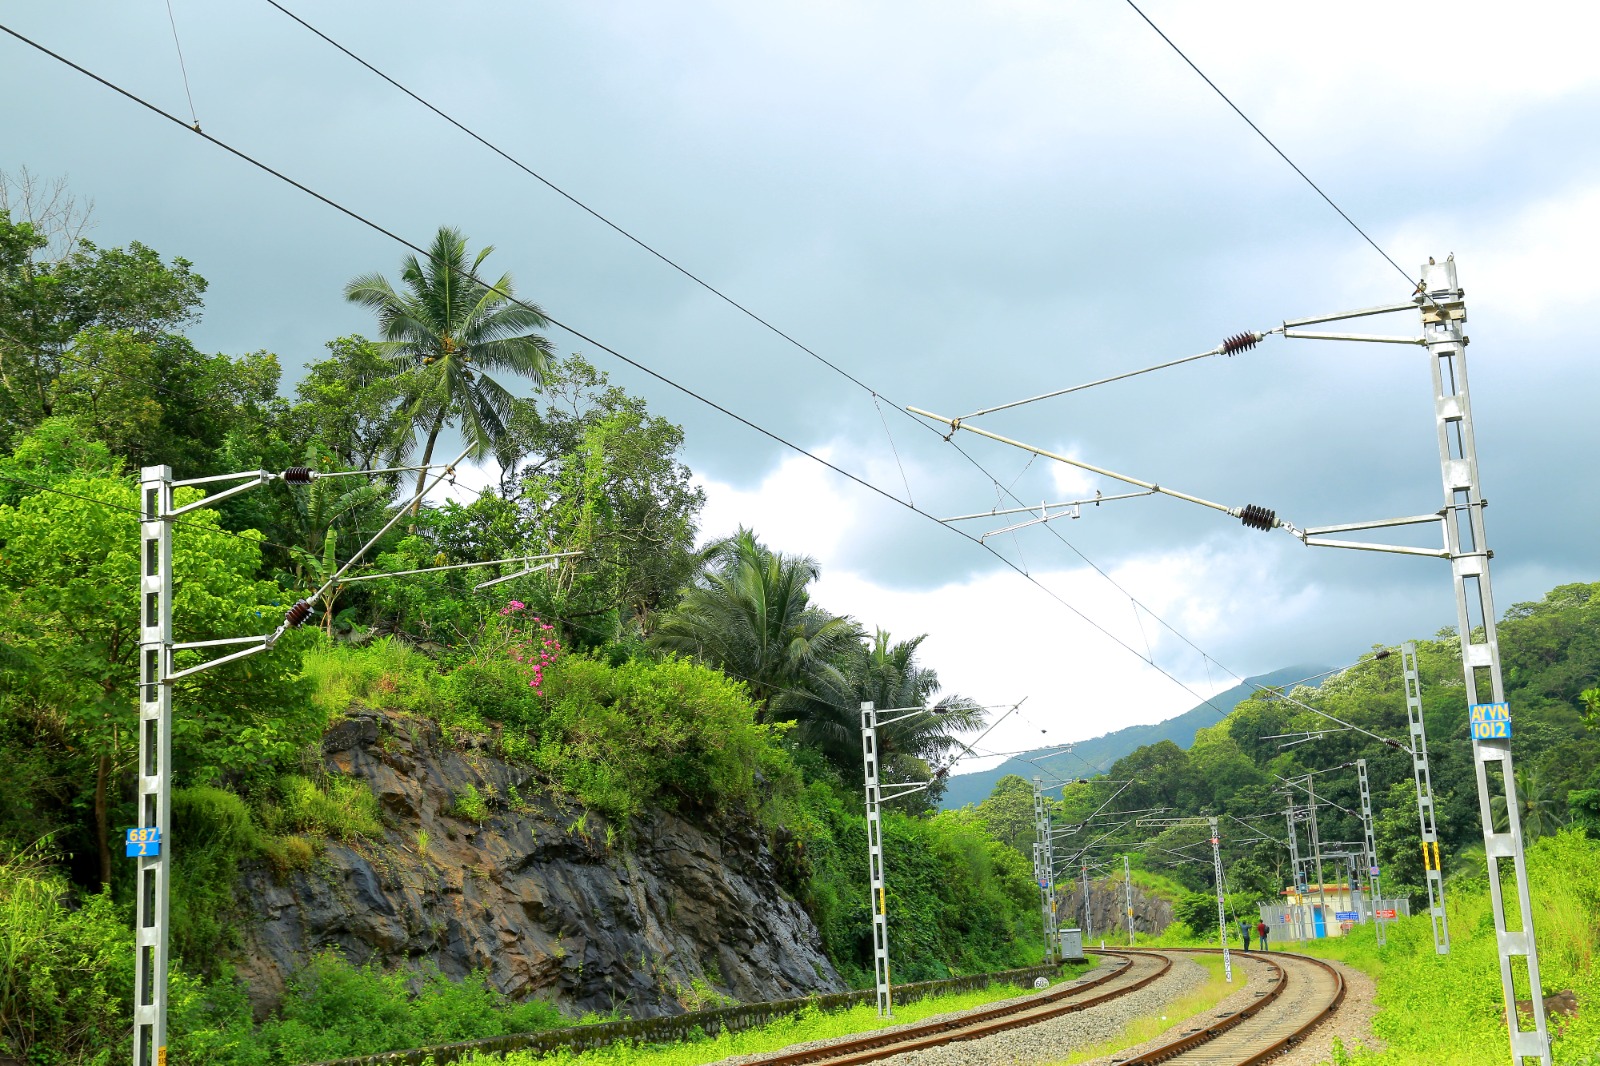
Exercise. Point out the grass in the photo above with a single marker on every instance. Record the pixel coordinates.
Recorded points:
(1214, 991)
(1446, 1009)
(810, 1024)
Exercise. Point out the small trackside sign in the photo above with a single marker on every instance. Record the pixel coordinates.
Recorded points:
(1346, 916)
(143, 842)
(1491, 721)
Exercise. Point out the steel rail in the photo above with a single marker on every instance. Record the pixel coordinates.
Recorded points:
(1205, 1035)
(974, 1025)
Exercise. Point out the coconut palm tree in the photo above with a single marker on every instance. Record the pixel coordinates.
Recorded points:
(444, 331)
(749, 613)
(886, 673)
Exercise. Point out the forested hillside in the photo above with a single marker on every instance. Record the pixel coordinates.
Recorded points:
(1097, 754)
(1236, 768)
(646, 676)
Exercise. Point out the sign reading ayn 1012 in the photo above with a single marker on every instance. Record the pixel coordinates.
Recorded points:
(143, 842)
(1491, 721)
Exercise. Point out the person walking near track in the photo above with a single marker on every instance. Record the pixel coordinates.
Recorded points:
(1261, 935)
(1244, 934)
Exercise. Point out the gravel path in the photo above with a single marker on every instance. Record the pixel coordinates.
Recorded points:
(1055, 1039)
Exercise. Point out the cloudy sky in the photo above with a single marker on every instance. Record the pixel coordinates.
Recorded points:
(960, 205)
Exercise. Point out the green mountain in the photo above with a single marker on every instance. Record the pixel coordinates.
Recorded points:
(1090, 757)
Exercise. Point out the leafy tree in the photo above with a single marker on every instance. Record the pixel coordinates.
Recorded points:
(749, 613)
(69, 582)
(46, 304)
(590, 467)
(351, 404)
(1008, 813)
(887, 674)
(443, 335)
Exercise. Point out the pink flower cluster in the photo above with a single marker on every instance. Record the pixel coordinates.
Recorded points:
(538, 652)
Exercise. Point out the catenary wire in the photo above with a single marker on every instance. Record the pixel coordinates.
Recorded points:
(182, 67)
(1271, 144)
(575, 332)
(751, 314)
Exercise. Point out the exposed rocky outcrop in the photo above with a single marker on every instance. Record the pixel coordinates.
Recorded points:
(550, 901)
(1107, 902)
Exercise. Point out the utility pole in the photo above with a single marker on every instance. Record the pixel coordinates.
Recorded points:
(1295, 874)
(1044, 861)
(1467, 542)
(1370, 835)
(1316, 851)
(1441, 302)
(1432, 873)
(1088, 923)
(1127, 890)
(1222, 917)
(880, 917)
(150, 843)
(154, 855)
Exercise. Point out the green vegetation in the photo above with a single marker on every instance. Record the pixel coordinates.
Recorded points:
(810, 1024)
(639, 674)
(1447, 1009)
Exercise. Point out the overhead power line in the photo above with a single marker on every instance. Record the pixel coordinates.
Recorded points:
(743, 309)
(1271, 143)
(579, 334)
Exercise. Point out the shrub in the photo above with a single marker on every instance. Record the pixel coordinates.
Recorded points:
(340, 807)
(334, 1009)
(471, 805)
(385, 673)
(217, 833)
(66, 973)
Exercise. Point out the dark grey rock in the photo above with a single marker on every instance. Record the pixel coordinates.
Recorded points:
(548, 900)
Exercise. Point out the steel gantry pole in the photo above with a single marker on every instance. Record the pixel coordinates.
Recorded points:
(1442, 316)
(1375, 899)
(1222, 917)
(1088, 923)
(1044, 861)
(1298, 909)
(1127, 891)
(1316, 852)
(150, 842)
(880, 917)
(1432, 872)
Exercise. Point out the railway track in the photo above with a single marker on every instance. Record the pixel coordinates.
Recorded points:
(1298, 995)
(1135, 970)
(1301, 993)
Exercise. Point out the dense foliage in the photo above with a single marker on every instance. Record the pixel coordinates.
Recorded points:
(1237, 768)
(635, 672)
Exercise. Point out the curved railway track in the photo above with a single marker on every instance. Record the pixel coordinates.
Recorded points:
(1137, 969)
(1299, 994)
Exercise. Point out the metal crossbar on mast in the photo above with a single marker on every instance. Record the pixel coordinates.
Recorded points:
(151, 843)
(1441, 302)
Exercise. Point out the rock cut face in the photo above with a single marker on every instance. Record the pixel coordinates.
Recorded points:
(536, 896)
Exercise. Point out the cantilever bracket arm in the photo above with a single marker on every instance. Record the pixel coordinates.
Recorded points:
(1315, 536)
(264, 642)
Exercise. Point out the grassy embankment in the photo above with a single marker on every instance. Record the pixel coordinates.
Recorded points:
(810, 1024)
(1445, 1010)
